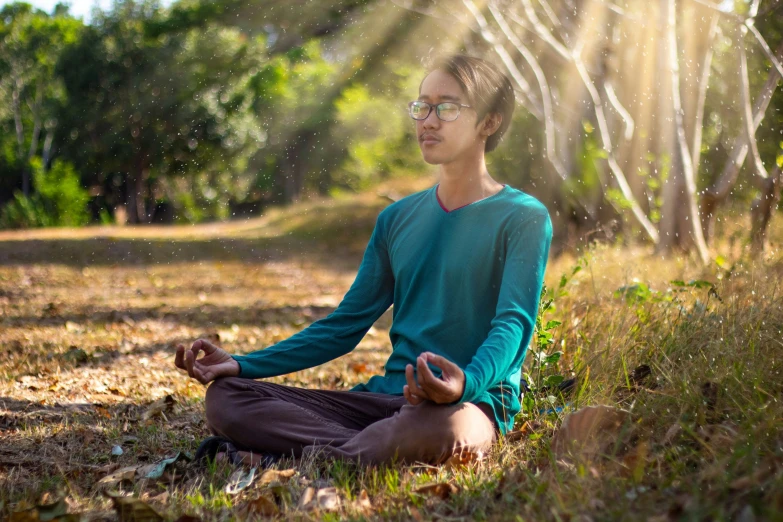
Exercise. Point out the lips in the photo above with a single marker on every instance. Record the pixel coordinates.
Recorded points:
(428, 139)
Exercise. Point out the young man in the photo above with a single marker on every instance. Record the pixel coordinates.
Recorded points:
(463, 263)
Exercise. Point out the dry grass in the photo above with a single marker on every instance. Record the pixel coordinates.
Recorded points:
(89, 318)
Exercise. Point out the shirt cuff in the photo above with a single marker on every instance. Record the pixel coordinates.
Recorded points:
(471, 392)
(238, 359)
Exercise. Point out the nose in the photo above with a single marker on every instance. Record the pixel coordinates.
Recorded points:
(431, 121)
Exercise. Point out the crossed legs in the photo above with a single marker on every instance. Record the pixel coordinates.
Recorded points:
(368, 427)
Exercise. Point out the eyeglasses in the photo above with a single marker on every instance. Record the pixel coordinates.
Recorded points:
(446, 111)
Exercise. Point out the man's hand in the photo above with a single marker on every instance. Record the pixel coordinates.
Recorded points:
(447, 389)
(215, 363)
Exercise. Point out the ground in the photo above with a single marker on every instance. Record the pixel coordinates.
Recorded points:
(89, 395)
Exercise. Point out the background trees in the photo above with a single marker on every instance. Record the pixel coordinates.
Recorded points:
(635, 117)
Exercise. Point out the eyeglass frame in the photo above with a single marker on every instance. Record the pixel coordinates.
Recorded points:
(459, 109)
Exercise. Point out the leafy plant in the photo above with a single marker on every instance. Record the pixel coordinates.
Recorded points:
(59, 199)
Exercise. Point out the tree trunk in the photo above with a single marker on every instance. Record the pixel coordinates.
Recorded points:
(680, 223)
(720, 190)
(16, 104)
(761, 211)
(136, 185)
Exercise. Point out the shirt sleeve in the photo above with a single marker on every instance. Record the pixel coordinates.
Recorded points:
(370, 295)
(515, 316)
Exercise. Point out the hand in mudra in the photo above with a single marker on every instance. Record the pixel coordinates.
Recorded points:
(446, 389)
(215, 363)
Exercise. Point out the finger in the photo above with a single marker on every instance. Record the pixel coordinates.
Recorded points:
(431, 385)
(426, 377)
(190, 360)
(207, 347)
(441, 362)
(179, 356)
(412, 399)
(199, 374)
(414, 387)
(196, 347)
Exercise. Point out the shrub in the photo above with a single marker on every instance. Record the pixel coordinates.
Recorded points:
(58, 199)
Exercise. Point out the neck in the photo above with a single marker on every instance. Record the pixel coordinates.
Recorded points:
(464, 181)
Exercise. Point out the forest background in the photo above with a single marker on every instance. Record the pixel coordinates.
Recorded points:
(213, 110)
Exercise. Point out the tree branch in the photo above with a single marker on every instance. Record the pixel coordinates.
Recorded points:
(546, 96)
(504, 57)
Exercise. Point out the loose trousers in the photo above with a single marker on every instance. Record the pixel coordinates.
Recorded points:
(370, 428)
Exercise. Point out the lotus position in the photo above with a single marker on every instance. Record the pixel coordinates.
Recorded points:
(463, 264)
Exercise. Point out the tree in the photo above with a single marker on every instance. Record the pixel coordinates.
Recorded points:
(30, 45)
(591, 61)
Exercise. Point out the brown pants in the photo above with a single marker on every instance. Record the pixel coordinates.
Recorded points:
(371, 428)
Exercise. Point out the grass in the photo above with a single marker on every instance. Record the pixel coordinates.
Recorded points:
(89, 318)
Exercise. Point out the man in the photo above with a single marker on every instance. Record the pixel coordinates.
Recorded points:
(462, 262)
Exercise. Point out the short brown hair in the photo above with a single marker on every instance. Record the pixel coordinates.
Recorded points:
(487, 88)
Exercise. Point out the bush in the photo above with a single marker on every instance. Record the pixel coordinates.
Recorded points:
(58, 199)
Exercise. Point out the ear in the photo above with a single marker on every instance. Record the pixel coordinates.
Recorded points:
(492, 122)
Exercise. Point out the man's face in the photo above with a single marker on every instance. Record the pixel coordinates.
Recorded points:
(447, 141)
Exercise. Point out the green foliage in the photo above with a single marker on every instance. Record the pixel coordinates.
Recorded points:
(59, 199)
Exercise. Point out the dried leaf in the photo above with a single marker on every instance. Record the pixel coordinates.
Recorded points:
(462, 459)
(154, 471)
(46, 511)
(328, 499)
(240, 480)
(359, 368)
(442, 490)
(362, 502)
(127, 473)
(589, 432)
(514, 436)
(158, 407)
(261, 506)
(130, 509)
(306, 500)
(274, 475)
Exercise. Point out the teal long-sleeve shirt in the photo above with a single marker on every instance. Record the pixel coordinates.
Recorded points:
(465, 284)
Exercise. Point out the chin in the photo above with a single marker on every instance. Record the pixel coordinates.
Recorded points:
(432, 159)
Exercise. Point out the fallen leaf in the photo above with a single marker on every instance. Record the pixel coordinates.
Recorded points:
(49, 509)
(122, 474)
(153, 471)
(273, 475)
(130, 509)
(462, 459)
(362, 502)
(158, 408)
(103, 412)
(262, 506)
(589, 432)
(328, 499)
(442, 490)
(162, 498)
(240, 480)
(514, 436)
(306, 500)
(359, 368)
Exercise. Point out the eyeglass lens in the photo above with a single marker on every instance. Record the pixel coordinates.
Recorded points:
(445, 111)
